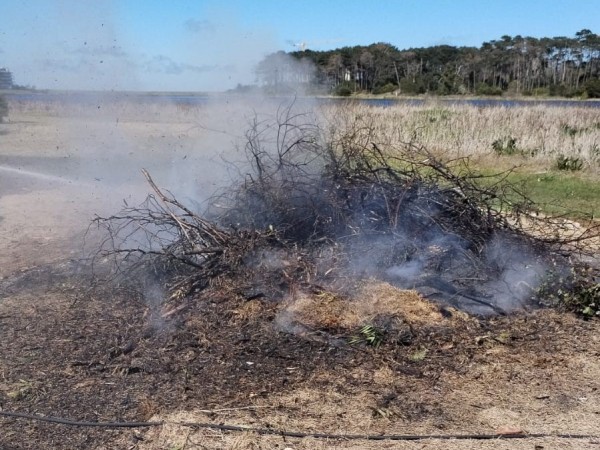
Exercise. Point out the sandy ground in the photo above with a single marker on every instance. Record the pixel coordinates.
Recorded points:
(58, 169)
(538, 373)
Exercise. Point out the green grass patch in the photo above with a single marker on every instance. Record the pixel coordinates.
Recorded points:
(573, 194)
(555, 192)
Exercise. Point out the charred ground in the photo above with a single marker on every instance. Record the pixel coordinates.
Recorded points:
(109, 357)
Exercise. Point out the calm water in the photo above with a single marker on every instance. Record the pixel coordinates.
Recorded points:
(480, 102)
(187, 99)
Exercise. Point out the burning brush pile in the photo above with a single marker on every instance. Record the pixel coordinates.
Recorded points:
(316, 211)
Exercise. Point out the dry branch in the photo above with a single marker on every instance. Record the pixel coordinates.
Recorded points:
(306, 201)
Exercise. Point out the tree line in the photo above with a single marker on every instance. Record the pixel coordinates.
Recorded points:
(561, 66)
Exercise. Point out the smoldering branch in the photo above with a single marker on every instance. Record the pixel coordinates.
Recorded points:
(343, 206)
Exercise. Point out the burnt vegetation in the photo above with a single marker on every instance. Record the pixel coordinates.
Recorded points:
(319, 209)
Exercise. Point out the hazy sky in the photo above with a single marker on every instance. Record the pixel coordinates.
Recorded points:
(206, 45)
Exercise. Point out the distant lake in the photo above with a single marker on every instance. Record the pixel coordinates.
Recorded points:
(479, 102)
(192, 100)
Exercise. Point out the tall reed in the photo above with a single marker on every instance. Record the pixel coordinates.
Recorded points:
(538, 132)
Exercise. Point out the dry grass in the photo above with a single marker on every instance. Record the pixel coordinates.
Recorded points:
(379, 298)
(464, 130)
(372, 300)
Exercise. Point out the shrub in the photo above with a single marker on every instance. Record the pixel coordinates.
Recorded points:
(437, 115)
(506, 146)
(385, 89)
(537, 92)
(571, 131)
(560, 90)
(486, 89)
(578, 290)
(409, 87)
(344, 90)
(569, 163)
(592, 88)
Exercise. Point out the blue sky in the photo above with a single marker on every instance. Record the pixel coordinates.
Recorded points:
(206, 45)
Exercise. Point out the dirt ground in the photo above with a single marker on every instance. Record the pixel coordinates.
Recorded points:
(112, 354)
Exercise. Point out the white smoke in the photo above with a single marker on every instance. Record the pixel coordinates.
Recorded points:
(520, 273)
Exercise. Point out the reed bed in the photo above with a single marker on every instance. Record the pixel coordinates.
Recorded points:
(539, 133)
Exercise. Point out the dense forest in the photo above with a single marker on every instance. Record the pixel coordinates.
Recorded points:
(560, 66)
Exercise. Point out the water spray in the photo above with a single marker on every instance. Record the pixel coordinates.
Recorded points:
(38, 175)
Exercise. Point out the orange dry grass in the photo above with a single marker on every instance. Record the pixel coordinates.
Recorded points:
(377, 298)
(320, 311)
(374, 298)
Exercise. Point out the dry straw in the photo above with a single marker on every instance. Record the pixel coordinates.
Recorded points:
(540, 132)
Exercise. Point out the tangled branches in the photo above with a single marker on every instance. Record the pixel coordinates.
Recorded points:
(172, 237)
(331, 206)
